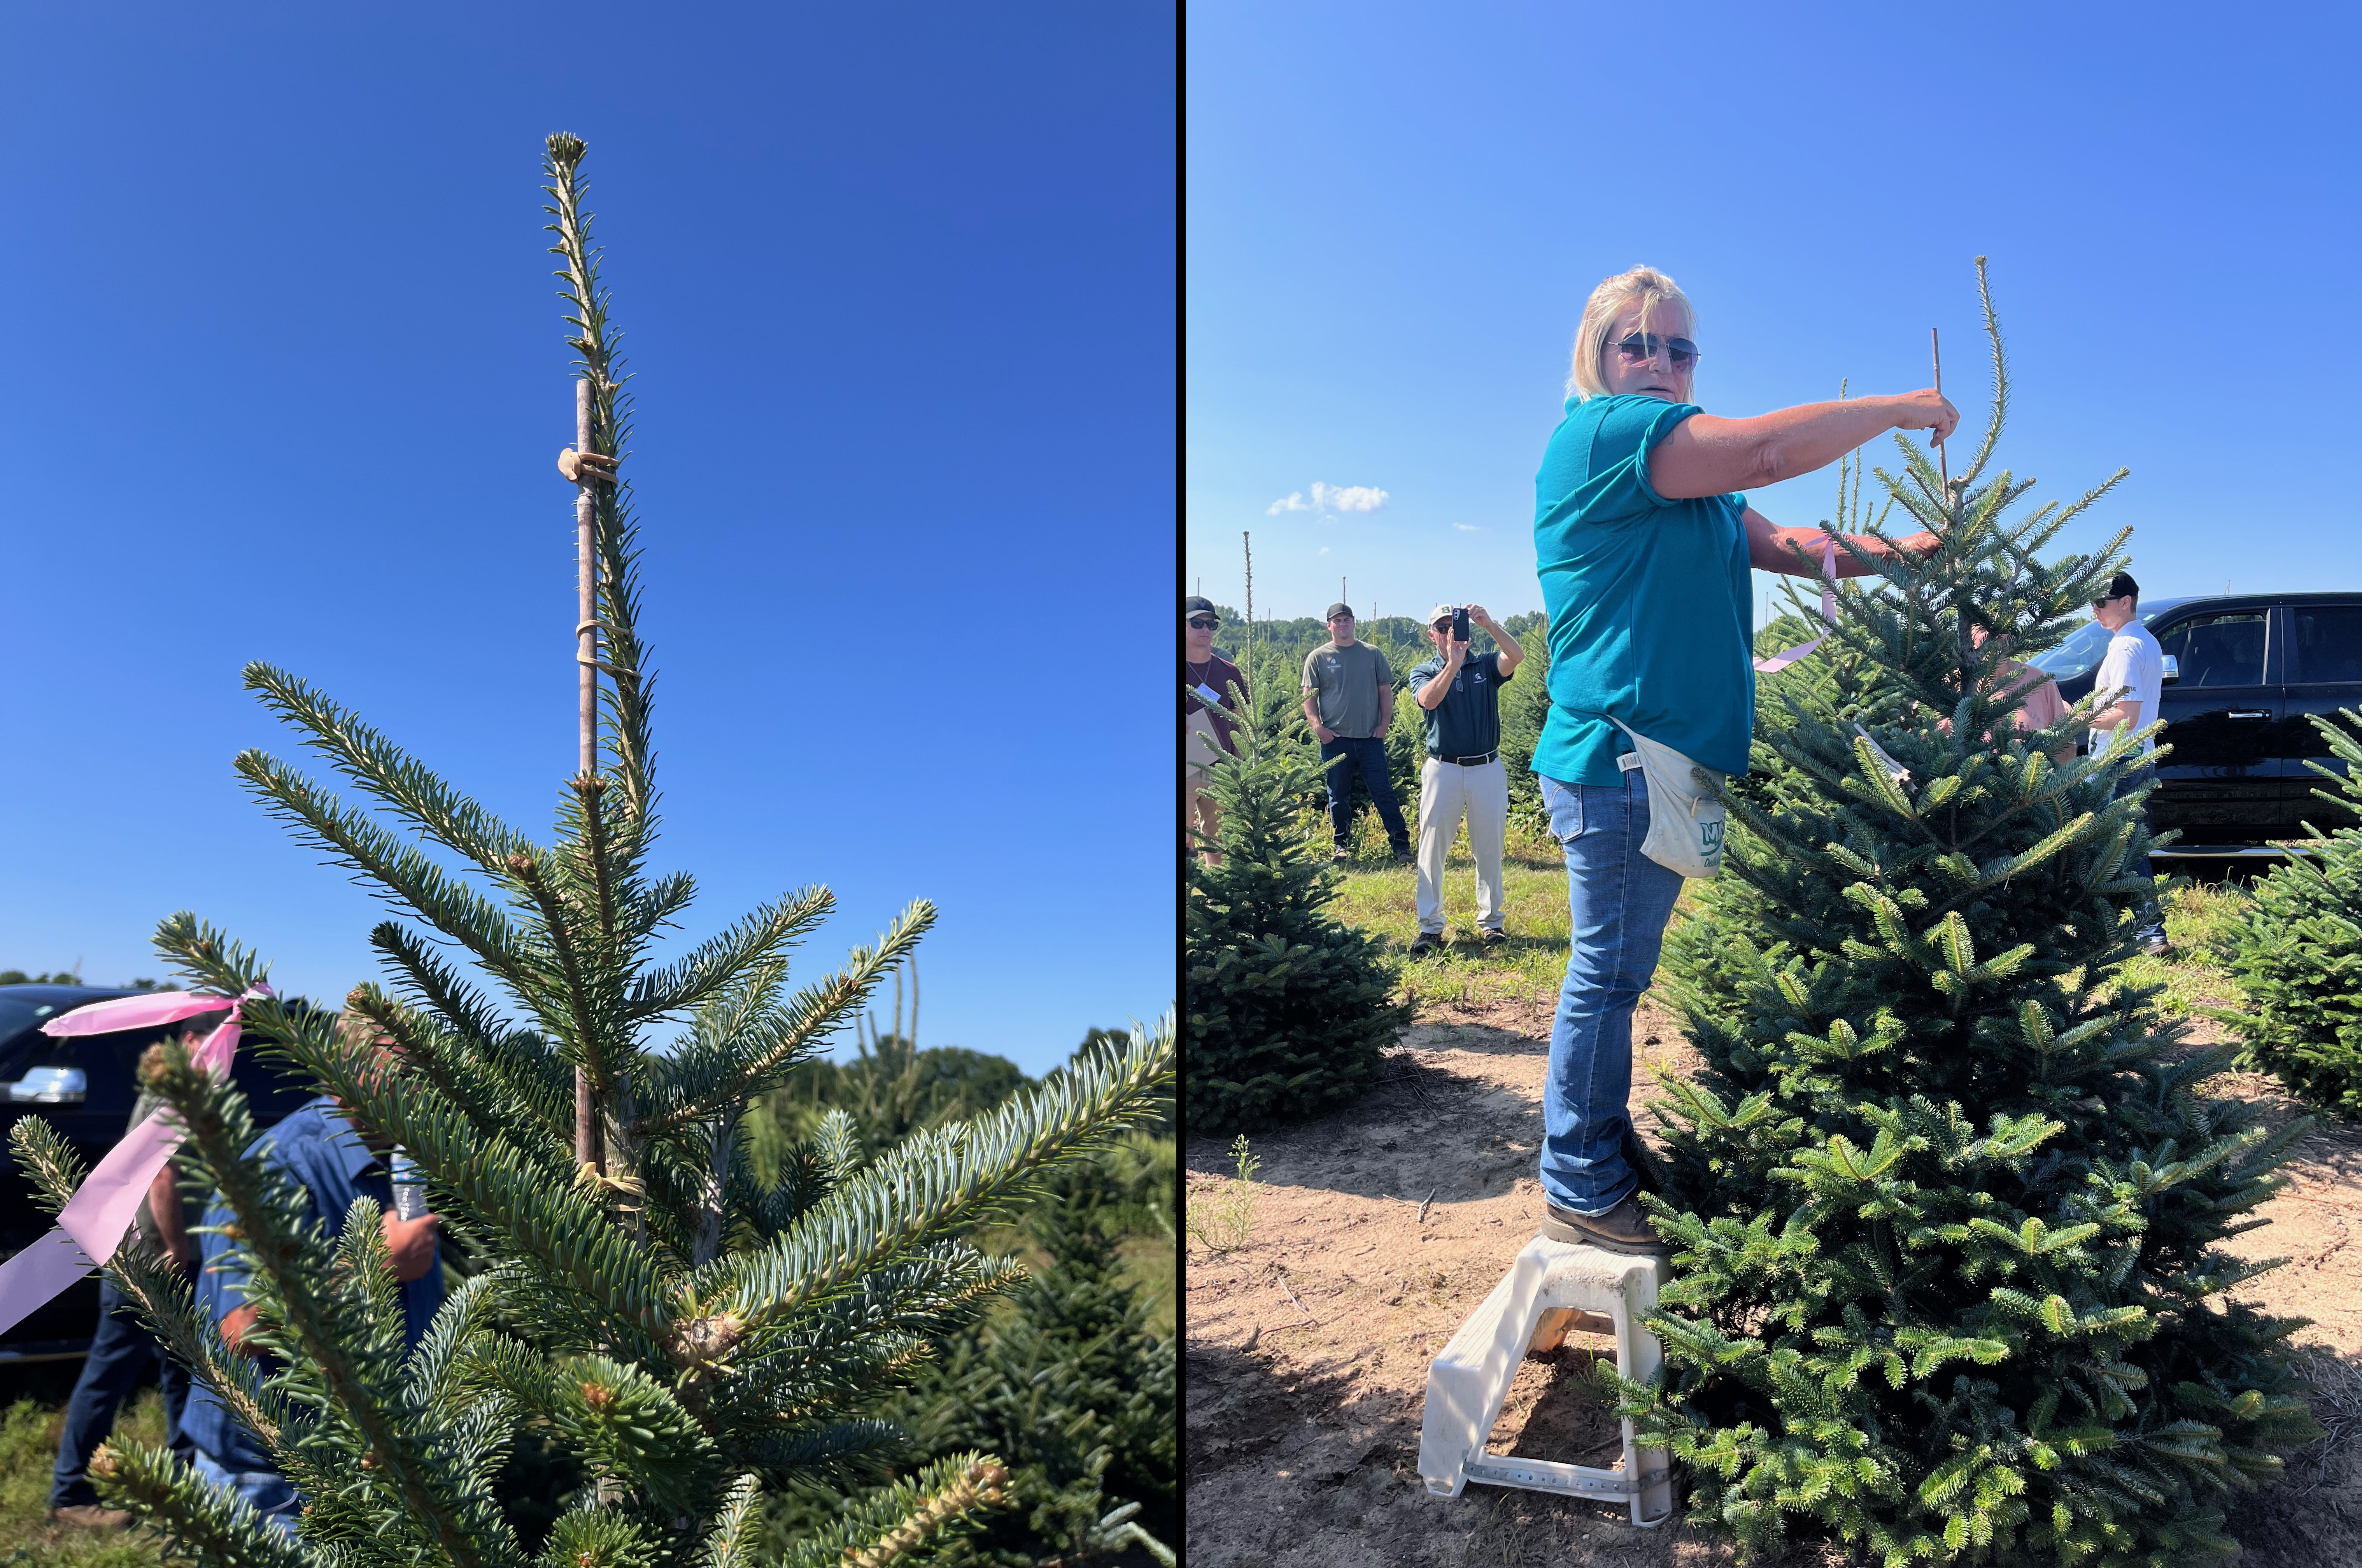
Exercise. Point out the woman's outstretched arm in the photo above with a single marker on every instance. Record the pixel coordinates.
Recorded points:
(1709, 456)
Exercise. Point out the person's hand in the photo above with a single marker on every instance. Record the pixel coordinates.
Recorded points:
(580, 466)
(1325, 733)
(1454, 651)
(1922, 544)
(410, 1243)
(1927, 410)
(182, 1251)
(1482, 617)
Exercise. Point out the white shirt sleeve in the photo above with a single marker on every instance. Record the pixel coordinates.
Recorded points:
(2116, 671)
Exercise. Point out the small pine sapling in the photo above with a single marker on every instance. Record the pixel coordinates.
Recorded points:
(2296, 952)
(1287, 1008)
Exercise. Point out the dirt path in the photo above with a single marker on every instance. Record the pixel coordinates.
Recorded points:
(1307, 1349)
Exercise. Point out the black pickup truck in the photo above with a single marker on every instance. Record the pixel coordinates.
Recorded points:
(84, 1087)
(2243, 674)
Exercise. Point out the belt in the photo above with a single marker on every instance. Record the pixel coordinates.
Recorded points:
(1470, 761)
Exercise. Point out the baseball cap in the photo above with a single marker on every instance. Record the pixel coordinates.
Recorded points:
(2118, 586)
(1197, 604)
(1341, 607)
(1440, 611)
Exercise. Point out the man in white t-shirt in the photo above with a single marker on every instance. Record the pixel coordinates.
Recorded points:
(2134, 669)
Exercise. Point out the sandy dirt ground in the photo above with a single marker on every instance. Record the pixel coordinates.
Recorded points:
(1307, 1349)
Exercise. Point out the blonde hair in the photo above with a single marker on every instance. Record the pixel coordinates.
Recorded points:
(1643, 285)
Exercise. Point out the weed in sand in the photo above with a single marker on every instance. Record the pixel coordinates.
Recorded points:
(1221, 1213)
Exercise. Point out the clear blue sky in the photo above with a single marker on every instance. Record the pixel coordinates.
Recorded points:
(285, 379)
(1395, 212)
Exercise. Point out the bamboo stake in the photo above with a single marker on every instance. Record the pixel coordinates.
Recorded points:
(587, 1150)
(1943, 458)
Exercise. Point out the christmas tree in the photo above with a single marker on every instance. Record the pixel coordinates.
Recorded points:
(2297, 951)
(690, 1337)
(1948, 1199)
(1287, 1007)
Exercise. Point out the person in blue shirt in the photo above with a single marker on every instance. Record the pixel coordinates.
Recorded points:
(322, 1151)
(1643, 542)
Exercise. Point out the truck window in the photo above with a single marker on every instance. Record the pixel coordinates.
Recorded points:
(2219, 649)
(2328, 642)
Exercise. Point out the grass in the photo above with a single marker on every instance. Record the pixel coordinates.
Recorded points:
(1382, 898)
(28, 1447)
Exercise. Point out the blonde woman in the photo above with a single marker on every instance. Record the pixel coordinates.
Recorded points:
(1643, 542)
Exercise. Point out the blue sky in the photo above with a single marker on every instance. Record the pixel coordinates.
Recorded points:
(1395, 212)
(286, 377)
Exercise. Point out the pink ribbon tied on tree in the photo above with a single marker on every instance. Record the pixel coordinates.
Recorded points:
(91, 1225)
(1787, 656)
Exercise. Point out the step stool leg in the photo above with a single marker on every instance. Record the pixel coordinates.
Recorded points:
(1468, 1383)
(1638, 1353)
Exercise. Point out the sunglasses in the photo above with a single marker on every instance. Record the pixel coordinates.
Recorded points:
(1203, 624)
(1441, 626)
(1641, 348)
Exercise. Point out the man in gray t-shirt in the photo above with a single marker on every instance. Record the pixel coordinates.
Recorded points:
(1349, 700)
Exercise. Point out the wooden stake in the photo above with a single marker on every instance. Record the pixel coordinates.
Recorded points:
(587, 1150)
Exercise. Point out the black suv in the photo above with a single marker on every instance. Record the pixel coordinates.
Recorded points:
(2242, 674)
(84, 1087)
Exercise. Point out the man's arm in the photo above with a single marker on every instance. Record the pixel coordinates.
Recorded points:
(1770, 548)
(1312, 716)
(1386, 697)
(164, 1203)
(1429, 693)
(2115, 675)
(1510, 656)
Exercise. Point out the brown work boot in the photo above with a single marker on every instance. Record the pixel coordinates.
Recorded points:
(92, 1516)
(1621, 1229)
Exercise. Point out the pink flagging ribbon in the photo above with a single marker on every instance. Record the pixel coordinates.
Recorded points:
(91, 1226)
(1787, 656)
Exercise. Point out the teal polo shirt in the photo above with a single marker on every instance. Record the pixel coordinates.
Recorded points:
(1467, 722)
(1647, 598)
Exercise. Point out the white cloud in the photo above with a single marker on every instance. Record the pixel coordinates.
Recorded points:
(1330, 498)
(1323, 550)
(1467, 528)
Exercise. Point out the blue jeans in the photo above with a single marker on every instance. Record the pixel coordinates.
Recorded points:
(122, 1353)
(2132, 780)
(1366, 756)
(267, 1492)
(1620, 899)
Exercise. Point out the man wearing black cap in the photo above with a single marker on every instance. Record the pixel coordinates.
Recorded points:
(1462, 776)
(1207, 729)
(2133, 668)
(1349, 699)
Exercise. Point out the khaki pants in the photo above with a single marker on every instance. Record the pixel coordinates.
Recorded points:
(1446, 792)
(1201, 811)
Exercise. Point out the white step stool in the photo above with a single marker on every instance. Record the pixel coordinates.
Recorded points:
(1531, 1310)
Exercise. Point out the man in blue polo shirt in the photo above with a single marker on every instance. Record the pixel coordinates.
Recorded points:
(333, 1162)
(1462, 776)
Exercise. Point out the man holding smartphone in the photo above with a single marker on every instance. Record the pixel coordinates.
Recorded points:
(1462, 777)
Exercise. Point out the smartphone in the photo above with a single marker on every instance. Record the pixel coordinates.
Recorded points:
(1460, 624)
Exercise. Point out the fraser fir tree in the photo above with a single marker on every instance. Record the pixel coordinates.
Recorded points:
(1947, 1198)
(2297, 952)
(1287, 1007)
(693, 1339)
